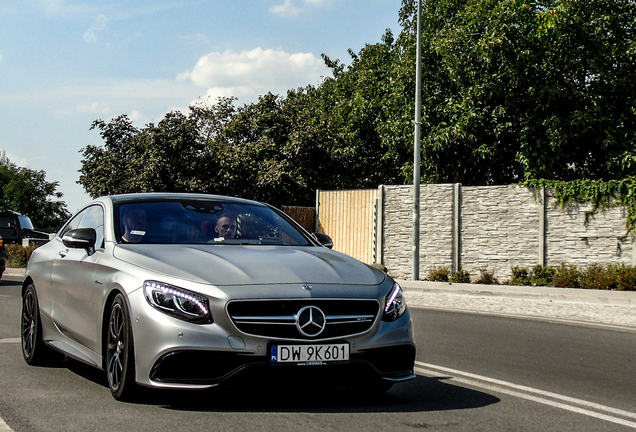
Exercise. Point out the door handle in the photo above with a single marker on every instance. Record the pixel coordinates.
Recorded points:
(63, 253)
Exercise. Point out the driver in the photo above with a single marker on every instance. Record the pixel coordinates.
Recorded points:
(134, 222)
(226, 226)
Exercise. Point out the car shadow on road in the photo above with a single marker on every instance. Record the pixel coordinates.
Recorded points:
(419, 395)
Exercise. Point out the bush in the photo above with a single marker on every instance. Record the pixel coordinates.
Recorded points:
(519, 276)
(439, 274)
(597, 277)
(541, 275)
(487, 277)
(18, 256)
(566, 276)
(626, 278)
(461, 276)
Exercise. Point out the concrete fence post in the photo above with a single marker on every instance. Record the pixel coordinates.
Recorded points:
(378, 252)
(542, 231)
(456, 229)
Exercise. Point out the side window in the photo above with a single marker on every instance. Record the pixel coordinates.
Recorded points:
(94, 218)
(73, 223)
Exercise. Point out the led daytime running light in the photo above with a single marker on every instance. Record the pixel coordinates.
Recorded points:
(395, 305)
(390, 302)
(178, 302)
(179, 294)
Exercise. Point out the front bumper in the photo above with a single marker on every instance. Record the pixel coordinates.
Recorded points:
(209, 368)
(170, 353)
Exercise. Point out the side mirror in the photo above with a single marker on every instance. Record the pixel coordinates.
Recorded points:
(323, 239)
(81, 238)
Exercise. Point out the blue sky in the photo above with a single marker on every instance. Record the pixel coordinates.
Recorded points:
(66, 63)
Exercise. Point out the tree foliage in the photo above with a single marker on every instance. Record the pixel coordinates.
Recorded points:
(513, 90)
(517, 89)
(26, 191)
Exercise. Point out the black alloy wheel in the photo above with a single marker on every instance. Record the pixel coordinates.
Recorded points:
(34, 350)
(120, 364)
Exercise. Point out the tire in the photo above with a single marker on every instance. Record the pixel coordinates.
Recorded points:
(120, 358)
(34, 350)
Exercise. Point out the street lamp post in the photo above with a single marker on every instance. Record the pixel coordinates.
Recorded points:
(416, 147)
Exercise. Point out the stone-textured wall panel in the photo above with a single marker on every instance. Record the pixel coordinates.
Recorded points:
(500, 228)
(570, 240)
(436, 221)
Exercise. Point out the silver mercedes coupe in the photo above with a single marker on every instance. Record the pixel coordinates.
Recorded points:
(192, 291)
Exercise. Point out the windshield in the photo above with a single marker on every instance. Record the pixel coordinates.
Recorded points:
(211, 222)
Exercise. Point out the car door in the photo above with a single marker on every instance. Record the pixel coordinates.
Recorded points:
(73, 283)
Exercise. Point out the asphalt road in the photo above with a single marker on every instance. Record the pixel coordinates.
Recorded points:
(475, 373)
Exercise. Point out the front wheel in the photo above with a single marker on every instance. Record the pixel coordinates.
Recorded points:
(34, 350)
(120, 361)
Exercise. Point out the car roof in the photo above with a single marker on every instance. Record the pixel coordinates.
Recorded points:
(161, 196)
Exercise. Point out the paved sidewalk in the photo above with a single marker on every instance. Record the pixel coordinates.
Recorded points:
(612, 308)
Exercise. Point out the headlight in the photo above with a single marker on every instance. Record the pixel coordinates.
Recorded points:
(178, 302)
(395, 305)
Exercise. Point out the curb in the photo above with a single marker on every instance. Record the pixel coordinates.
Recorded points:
(10, 271)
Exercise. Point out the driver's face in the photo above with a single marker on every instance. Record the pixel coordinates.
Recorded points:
(135, 220)
(226, 227)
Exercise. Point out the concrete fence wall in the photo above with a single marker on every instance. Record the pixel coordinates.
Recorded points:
(466, 227)
(495, 227)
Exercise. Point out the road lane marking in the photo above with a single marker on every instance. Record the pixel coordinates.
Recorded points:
(9, 340)
(4, 427)
(540, 396)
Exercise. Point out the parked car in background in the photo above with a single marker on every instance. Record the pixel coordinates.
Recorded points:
(195, 291)
(15, 227)
(3, 257)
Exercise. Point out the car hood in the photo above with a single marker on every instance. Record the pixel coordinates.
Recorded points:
(225, 265)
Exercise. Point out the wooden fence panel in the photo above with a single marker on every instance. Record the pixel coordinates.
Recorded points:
(305, 216)
(348, 217)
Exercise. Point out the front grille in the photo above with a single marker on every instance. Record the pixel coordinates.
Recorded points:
(277, 318)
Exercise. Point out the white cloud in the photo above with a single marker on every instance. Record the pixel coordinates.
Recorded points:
(136, 116)
(17, 160)
(0, 57)
(286, 9)
(249, 73)
(93, 108)
(91, 34)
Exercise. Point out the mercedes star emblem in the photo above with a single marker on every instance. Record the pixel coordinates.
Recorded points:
(310, 321)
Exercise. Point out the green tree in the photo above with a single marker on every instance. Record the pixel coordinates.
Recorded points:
(26, 191)
(516, 89)
(105, 170)
(169, 156)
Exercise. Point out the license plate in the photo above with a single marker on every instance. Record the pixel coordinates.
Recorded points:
(309, 354)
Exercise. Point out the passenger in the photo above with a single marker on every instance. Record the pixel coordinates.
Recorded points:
(133, 221)
(226, 226)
